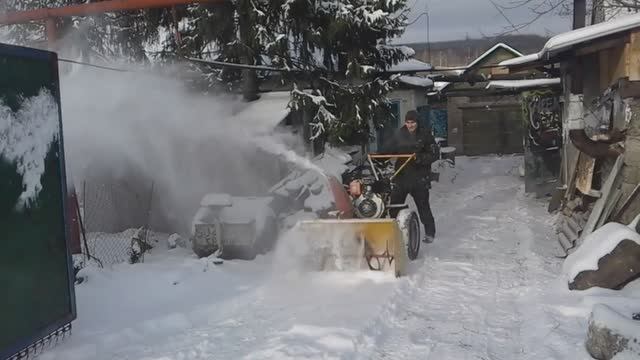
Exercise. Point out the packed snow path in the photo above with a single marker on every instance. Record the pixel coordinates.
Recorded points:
(487, 288)
(479, 292)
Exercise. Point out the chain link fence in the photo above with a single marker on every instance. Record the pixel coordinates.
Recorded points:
(116, 216)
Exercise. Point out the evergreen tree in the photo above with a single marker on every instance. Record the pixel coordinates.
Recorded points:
(338, 48)
(343, 45)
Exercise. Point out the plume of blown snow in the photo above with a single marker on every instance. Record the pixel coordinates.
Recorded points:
(146, 128)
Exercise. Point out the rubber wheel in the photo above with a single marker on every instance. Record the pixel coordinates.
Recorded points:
(410, 228)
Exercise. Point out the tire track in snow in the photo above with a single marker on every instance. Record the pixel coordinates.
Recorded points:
(466, 304)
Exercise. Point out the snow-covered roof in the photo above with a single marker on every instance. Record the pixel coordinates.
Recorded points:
(265, 113)
(416, 81)
(410, 65)
(566, 40)
(521, 84)
(520, 60)
(490, 51)
(407, 51)
(440, 85)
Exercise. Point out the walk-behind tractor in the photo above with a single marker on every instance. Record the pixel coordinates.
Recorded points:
(362, 231)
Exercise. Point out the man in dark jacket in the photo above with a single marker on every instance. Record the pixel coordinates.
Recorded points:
(415, 178)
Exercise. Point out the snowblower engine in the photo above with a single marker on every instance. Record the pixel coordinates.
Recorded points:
(370, 190)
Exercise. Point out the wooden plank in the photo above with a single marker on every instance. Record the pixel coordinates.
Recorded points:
(613, 66)
(594, 193)
(571, 183)
(633, 56)
(610, 205)
(600, 204)
(601, 45)
(626, 203)
(604, 69)
(619, 59)
(584, 173)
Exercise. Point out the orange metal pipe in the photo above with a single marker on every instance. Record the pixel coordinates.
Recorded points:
(20, 17)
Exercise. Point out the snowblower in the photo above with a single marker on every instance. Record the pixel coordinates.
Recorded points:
(361, 231)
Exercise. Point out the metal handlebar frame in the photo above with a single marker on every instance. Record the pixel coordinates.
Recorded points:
(408, 158)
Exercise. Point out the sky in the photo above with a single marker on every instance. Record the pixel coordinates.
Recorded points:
(457, 19)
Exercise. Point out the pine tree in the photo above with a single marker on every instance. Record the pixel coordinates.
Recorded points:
(336, 48)
(343, 45)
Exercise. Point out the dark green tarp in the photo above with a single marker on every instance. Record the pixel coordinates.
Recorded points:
(35, 264)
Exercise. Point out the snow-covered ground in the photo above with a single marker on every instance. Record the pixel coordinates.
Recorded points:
(490, 287)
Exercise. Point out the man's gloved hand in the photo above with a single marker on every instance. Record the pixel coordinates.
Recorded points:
(423, 159)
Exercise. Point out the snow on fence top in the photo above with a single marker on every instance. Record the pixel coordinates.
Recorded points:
(564, 41)
(521, 84)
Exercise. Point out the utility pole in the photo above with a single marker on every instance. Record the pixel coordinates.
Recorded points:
(579, 13)
(428, 41)
(426, 6)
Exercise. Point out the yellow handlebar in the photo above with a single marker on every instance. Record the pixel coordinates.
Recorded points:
(391, 156)
(408, 157)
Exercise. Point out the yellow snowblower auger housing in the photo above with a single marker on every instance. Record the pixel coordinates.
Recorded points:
(363, 235)
(352, 244)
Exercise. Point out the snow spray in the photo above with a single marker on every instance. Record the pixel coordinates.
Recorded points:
(150, 128)
(310, 246)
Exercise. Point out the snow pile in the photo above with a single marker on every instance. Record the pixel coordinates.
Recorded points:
(26, 137)
(175, 240)
(596, 245)
(606, 317)
(625, 355)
